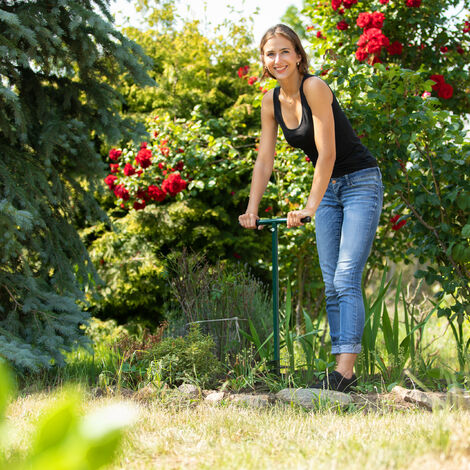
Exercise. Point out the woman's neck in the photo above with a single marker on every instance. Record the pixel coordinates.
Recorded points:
(290, 86)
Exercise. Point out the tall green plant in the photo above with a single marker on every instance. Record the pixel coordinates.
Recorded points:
(399, 348)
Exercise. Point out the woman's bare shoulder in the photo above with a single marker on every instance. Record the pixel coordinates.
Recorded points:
(267, 103)
(315, 89)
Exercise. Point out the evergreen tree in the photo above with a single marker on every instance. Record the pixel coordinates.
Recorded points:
(59, 62)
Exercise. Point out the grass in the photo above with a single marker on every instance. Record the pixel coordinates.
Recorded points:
(200, 436)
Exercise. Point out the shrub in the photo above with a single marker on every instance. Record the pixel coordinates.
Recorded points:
(222, 299)
(185, 359)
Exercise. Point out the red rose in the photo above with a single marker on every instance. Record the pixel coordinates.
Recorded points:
(174, 184)
(372, 40)
(439, 79)
(342, 25)
(384, 2)
(114, 167)
(156, 193)
(121, 192)
(335, 4)
(349, 3)
(143, 145)
(460, 50)
(110, 180)
(242, 71)
(413, 3)
(444, 49)
(363, 20)
(143, 194)
(180, 150)
(445, 91)
(269, 208)
(252, 80)
(466, 27)
(179, 166)
(129, 170)
(320, 35)
(395, 224)
(165, 151)
(377, 19)
(114, 154)
(143, 157)
(396, 48)
(361, 55)
(155, 134)
(139, 205)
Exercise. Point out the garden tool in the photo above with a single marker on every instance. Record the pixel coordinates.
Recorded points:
(274, 231)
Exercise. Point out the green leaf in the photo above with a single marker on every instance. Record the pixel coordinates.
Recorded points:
(466, 231)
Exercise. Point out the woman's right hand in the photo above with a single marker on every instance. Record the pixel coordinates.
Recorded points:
(248, 220)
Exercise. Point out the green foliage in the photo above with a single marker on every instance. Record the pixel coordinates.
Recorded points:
(63, 439)
(132, 255)
(422, 31)
(185, 359)
(192, 69)
(419, 140)
(223, 299)
(400, 348)
(57, 102)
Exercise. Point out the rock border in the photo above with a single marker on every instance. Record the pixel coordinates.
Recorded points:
(308, 398)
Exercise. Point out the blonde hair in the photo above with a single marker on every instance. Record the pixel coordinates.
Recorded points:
(291, 35)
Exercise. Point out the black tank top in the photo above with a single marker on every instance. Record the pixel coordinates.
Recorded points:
(351, 154)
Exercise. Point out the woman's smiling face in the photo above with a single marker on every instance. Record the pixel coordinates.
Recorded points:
(280, 57)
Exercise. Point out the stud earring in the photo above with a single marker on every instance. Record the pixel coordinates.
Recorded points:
(298, 63)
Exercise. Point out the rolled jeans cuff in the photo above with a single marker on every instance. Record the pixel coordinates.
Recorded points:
(346, 348)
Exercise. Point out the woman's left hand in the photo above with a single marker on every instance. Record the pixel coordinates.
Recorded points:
(293, 217)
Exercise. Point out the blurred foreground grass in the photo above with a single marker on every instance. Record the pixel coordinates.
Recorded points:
(201, 436)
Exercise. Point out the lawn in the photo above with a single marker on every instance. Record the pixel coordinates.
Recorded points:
(172, 435)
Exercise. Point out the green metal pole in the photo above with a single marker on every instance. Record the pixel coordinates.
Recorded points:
(274, 223)
(275, 263)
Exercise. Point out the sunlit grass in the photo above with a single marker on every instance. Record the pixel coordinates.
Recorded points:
(230, 437)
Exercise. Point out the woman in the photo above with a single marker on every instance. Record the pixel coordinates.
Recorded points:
(346, 193)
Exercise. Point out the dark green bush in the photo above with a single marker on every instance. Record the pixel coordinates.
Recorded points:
(185, 359)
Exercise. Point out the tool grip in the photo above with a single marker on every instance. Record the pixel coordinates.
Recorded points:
(304, 220)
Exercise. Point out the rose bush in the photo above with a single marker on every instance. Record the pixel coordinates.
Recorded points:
(408, 111)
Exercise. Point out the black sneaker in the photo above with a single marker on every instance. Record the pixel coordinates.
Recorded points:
(335, 381)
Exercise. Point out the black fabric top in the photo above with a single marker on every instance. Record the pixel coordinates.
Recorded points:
(351, 154)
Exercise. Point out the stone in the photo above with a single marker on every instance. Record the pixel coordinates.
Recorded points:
(428, 400)
(148, 392)
(190, 390)
(312, 397)
(254, 401)
(214, 397)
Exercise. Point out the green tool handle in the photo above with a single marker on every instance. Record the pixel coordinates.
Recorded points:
(281, 220)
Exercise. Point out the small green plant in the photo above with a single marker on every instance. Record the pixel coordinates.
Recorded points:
(185, 359)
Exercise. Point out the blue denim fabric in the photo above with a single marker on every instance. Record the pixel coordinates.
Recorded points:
(345, 224)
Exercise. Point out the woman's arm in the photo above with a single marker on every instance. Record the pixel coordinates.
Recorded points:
(319, 98)
(264, 162)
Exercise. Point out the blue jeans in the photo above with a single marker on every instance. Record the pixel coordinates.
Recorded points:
(345, 224)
